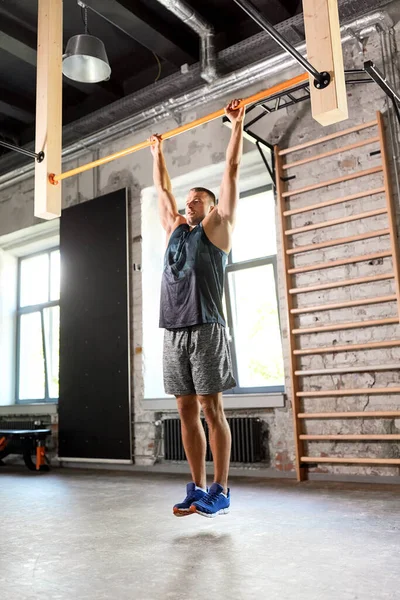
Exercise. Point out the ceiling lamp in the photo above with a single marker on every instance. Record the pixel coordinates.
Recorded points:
(85, 59)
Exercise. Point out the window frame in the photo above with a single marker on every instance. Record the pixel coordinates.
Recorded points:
(239, 266)
(27, 310)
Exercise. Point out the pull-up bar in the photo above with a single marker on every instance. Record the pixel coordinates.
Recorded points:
(264, 94)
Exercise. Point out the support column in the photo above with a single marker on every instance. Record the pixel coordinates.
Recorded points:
(324, 52)
(49, 107)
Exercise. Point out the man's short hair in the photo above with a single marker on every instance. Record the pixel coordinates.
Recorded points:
(206, 191)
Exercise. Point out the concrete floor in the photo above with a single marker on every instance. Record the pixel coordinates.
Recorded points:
(109, 535)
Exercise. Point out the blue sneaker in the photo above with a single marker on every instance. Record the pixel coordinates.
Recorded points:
(192, 495)
(214, 503)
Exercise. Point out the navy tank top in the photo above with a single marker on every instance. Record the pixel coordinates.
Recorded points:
(193, 280)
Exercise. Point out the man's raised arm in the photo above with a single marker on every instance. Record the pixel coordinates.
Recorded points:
(167, 206)
(228, 198)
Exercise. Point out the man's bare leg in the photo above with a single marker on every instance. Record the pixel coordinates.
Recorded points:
(193, 438)
(220, 436)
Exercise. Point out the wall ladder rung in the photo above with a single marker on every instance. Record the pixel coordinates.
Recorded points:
(356, 437)
(349, 392)
(349, 198)
(333, 222)
(329, 153)
(338, 242)
(327, 138)
(350, 460)
(342, 326)
(347, 348)
(339, 305)
(346, 369)
(329, 182)
(340, 262)
(378, 414)
(342, 283)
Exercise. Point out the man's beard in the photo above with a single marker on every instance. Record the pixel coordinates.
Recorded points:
(194, 220)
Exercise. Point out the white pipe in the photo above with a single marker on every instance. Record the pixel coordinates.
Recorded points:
(208, 53)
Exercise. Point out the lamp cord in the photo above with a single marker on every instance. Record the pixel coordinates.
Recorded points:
(85, 19)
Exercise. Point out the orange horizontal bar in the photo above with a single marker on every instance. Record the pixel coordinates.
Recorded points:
(173, 132)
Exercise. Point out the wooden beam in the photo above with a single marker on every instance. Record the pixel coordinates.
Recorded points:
(341, 200)
(354, 437)
(352, 325)
(341, 261)
(332, 222)
(49, 107)
(394, 242)
(350, 460)
(347, 369)
(341, 283)
(353, 146)
(347, 392)
(300, 470)
(324, 52)
(321, 184)
(378, 414)
(338, 305)
(338, 242)
(348, 348)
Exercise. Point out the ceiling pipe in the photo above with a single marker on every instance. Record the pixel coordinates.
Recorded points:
(208, 53)
(225, 85)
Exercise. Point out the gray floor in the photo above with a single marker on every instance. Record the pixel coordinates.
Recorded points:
(97, 535)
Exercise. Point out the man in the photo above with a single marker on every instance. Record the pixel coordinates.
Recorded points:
(197, 362)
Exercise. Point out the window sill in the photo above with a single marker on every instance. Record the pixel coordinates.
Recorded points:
(40, 408)
(231, 402)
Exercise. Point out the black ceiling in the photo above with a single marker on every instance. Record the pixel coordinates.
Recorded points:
(157, 45)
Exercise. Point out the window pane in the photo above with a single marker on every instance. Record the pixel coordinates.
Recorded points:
(255, 232)
(31, 359)
(52, 339)
(34, 280)
(256, 329)
(55, 275)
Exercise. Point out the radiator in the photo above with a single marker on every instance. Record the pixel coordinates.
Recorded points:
(20, 424)
(247, 434)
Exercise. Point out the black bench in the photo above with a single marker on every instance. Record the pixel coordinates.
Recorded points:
(26, 442)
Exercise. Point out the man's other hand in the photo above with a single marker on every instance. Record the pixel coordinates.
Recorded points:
(156, 144)
(235, 113)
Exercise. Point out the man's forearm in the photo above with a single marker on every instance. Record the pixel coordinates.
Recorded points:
(160, 172)
(235, 146)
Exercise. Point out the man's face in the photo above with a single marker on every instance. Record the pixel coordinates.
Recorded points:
(198, 205)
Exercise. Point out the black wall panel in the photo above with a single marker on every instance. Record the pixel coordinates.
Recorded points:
(94, 404)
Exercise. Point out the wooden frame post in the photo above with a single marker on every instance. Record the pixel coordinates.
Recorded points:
(49, 107)
(394, 242)
(324, 52)
(301, 471)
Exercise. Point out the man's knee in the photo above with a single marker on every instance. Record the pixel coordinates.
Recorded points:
(213, 408)
(188, 408)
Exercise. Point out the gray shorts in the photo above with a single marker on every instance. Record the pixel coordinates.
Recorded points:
(197, 360)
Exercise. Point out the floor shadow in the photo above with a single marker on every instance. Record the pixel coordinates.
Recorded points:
(207, 565)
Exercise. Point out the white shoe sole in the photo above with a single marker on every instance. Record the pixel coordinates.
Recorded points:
(223, 511)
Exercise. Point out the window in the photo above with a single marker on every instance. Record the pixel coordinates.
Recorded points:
(38, 327)
(251, 297)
